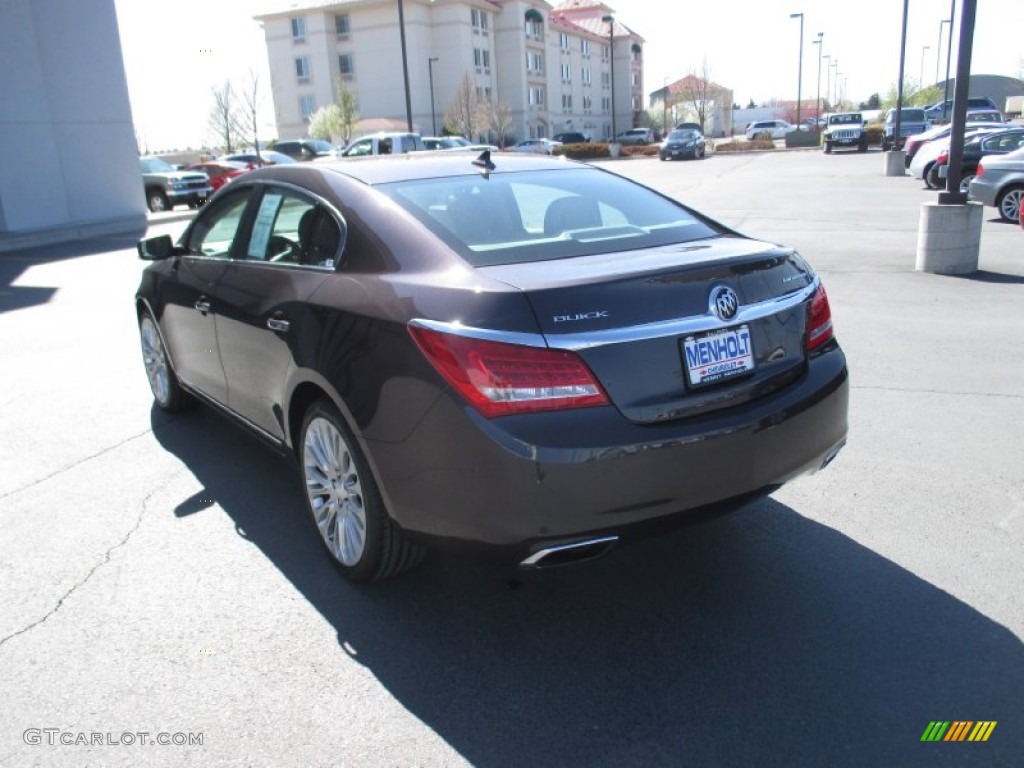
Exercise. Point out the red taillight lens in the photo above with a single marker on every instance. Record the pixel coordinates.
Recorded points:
(819, 320)
(942, 158)
(981, 170)
(499, 379)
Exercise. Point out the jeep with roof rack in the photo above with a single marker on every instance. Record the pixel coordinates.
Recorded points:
(845, 129)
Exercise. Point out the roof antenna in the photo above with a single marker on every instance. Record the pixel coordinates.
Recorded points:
(484, 161)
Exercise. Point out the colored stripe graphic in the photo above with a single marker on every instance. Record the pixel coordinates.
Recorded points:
(982, 730)
(958, 730)
(935, 730)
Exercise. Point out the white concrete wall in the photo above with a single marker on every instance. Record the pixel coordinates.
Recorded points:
(68, 155)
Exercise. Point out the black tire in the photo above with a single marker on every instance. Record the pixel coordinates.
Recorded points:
(862, 147)
(157, 201)
(193, 205)
(885, 146)
(661, 157)
(1008, 203)
(341, 489)
(926, 175)
(828, 147)
(932, 178)
(163, 381)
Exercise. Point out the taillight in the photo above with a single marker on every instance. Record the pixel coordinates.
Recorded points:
(981, 170)
(819, 320)
(943, 158)
(499, 379)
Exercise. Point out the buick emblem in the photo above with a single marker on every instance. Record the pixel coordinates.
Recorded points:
(724, 302)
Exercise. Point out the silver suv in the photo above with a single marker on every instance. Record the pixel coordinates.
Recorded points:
(384, 144)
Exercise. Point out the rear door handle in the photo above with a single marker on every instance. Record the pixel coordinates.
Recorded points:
(202, 304)
(277, 324)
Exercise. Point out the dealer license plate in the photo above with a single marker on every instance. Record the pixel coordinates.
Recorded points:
(718, 355)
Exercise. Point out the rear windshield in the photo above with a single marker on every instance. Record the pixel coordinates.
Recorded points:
(908, 115)
(511, 218)
(855, 119)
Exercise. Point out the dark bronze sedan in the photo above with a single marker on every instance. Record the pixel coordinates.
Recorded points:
(525, 353)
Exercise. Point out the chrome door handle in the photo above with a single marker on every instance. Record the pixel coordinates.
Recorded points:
(202, 305)
(277, 324)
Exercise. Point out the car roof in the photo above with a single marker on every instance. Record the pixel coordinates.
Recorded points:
(412, 166)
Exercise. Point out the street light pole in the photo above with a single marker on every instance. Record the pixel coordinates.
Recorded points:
(610, 21)
(949, 55)
(817, 98)
(405, 65)
(800, 65)
(828, 78)
(664, 109)
(835, 81)
(923, 49)
(938, 51)
(433, 113)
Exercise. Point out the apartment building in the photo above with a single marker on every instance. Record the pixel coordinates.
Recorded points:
(551, 64)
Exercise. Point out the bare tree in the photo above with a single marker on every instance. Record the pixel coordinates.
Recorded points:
(250, 105)
(348, 113)
(462, 114)
(226, 118)
(495, 117)
(698, 94)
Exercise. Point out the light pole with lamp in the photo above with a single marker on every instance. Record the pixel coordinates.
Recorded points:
(949, 55)
(405, 65)
(610, 21)
(835, 81)
(433, 113)
(800, 65)
(817, 98)
(923, 50)
(664, 110)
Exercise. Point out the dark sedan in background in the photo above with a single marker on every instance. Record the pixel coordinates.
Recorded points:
(682, 143)
(529, 354)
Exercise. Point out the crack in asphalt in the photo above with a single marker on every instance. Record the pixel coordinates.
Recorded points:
(76, 463)
(106, 559)
(938, 392)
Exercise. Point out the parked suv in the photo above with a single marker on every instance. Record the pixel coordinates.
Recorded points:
(912, 122)
(636, 136)
(166, 187)
(305, 149)
(777, 128)
(385, 144)
(936, 113)
(845, 129)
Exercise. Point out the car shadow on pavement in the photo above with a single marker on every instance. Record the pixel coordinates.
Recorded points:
(760, 638)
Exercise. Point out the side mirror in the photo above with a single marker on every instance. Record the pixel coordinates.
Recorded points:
(156, 248)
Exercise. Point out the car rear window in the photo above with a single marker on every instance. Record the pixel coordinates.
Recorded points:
(511, 218)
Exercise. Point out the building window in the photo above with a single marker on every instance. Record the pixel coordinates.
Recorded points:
(636, 78)
(585, 47)
(479, 20)
(307, 106)
(341, 25)
(606, 104)
(604, 53)
(563, 41)
(566, 73)
(534, 62)
(477, 58)
(535, 29)
(567, 101)
(486, 55)
(587, 103)
(298, 29)
(586, 76)
(302, 68)
(606, 79)
(346, 65)
(536, 96)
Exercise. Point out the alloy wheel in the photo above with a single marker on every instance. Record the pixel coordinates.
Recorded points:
(155, 360)
(334, 490)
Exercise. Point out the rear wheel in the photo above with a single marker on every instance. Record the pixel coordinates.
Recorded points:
(345, 503)
(965, 182)
(1009, 203)
(932, 178)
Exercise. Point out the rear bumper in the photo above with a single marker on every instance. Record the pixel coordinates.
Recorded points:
(521, 481)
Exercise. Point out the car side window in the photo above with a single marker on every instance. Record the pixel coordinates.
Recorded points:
(216, 229)
(292, 229)
(361, 147)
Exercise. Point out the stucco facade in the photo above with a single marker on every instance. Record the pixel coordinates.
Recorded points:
(549, 64)
(68, 158)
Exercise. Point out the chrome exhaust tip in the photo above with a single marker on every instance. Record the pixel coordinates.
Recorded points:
(566, 554)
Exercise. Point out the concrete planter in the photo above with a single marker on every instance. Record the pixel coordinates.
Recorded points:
(803, 139)
(949, 238)
(614, 149)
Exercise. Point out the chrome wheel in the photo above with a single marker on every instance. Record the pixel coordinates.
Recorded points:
(1009, 204)
(335, 491)
(155, 360)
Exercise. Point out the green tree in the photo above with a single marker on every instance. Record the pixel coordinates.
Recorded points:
(326, 123)
(345, 98)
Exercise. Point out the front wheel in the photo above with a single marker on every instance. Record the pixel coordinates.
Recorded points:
(345, 503)
(163, 382)
(157, 201)
(862, 147)
(828, 147)
(1009, 204)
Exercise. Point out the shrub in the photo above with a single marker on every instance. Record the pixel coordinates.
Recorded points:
(743, 146)
(875, 133)
(646, 150)
(763, 136)
(582, 151)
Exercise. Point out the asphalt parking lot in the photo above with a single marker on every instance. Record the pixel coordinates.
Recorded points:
(158, 577)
